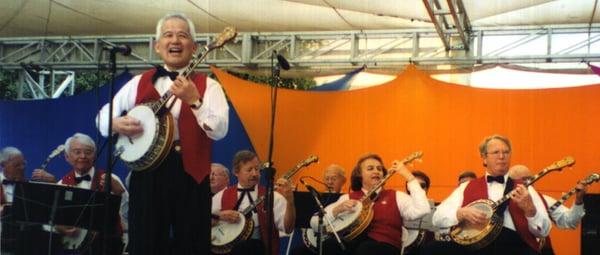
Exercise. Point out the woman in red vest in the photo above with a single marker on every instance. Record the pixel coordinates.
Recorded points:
(391, 208)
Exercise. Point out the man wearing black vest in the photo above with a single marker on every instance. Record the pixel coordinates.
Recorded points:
(525, 217)
(169, 210)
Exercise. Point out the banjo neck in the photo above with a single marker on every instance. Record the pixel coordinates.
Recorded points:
(372, 195)
(589, 180)
(556, 166)
(311, 159)
(53, 154)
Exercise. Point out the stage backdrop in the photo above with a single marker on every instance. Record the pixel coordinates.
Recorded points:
(37, 127)
(417, 113)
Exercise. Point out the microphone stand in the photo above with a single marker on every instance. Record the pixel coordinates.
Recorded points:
(112, 68)
(270, 170)
(322, 215)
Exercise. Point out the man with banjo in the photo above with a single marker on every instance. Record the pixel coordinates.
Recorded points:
(80, 153)
(227, 203)
(523, 217)
(169, 210)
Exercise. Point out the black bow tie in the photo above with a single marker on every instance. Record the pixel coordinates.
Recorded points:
(83, 178)
(244, 193)
(161, 71)
(7, 182)
(498, 179)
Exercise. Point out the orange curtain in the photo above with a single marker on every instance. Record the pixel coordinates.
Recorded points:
(417, 113)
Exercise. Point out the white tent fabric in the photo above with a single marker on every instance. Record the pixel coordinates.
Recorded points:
(113, 17)
(493, 78)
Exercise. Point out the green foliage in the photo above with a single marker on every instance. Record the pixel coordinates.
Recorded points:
(8, 84)
(289, 83)
(84, 81)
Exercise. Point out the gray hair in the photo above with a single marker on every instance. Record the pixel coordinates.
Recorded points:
(82, 138)
(486, 141)
(225, 170)
(9, 152)
(339, 170)
(180, 16)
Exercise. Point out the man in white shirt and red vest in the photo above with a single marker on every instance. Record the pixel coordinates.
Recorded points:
(524, 216)
(246, 167)
(563, 217)
(80, 153)
(169, 209)
(391, 208)
(18, 238)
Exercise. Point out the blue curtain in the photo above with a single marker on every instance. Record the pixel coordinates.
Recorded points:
(36, 127)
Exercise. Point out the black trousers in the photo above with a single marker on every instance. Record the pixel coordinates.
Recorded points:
(169, 212)
(508, 242)
(362, 245)
(249, 247)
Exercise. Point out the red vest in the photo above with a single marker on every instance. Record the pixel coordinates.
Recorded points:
(477, 189)
(230, 197)
(2, 196)
(386, 225)
(195, 145)
(69, 179)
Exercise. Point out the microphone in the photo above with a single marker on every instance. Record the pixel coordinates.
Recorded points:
(283, 63)
(123, 49)
(311, 189)
(329, 189)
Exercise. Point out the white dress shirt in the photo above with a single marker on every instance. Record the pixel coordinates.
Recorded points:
(279, 209)
(445, 215)
(411, 207)
(214, 111)
(123, 209)
(566, 218)
(9, 189)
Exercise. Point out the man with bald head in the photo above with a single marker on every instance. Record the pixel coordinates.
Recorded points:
(335, 178)
(563, 217)
(524, 215)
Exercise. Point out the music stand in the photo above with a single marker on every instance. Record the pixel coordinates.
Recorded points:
(309, 207)
(37, 203)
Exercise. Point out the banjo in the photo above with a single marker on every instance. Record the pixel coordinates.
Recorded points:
(587, 181)
(350, 224)
(150, 148)
(478, 236)
(225, 235)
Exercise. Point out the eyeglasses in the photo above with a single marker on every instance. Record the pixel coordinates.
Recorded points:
(498, 153)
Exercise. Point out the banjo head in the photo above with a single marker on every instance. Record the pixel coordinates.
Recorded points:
(476, 236)
(309, 238)
(346, 219)
(136, 147)
(224, 233)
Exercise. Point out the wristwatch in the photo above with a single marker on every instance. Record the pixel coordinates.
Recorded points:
(196, 104)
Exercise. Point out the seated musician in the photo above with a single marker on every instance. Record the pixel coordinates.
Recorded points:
(466, 176)
(219, 178)
(80, 153)
(391, 209)
(19, 239)
(246, 167)
(334, 178)
(563, 217)
(525, 217)
(421, 227)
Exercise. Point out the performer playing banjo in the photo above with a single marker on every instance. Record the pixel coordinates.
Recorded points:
(226, 204)
(173, 198)
(391, 208)
(525, 216)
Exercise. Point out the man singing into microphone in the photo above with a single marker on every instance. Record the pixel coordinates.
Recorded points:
(169, 210)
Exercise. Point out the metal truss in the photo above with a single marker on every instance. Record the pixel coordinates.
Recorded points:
(326, 50)
(439, 13)
(46, 84)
